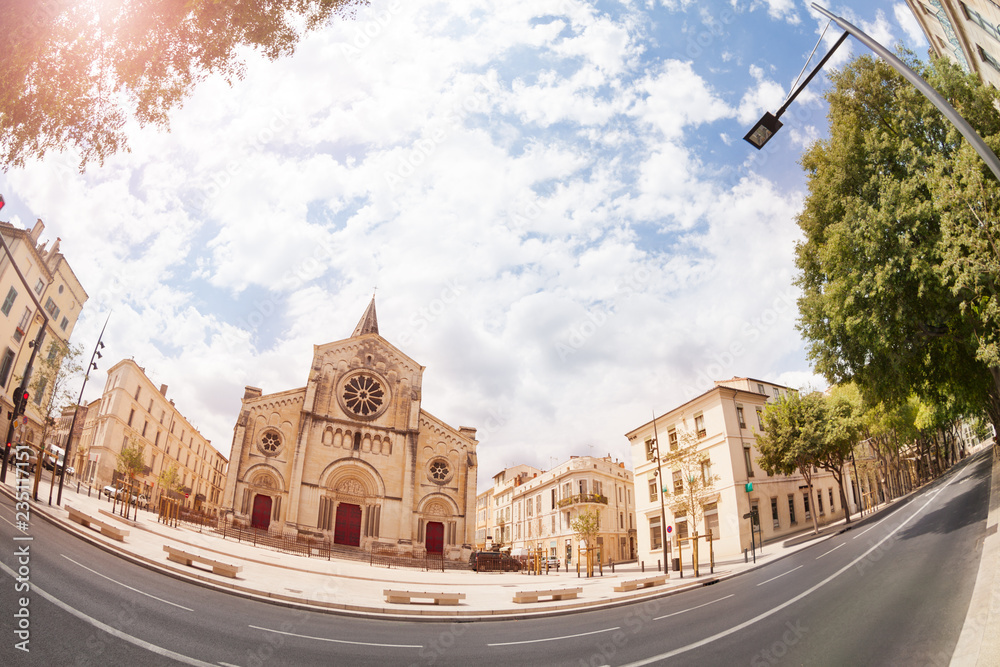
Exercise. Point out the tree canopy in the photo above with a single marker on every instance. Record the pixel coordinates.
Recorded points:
(77, 74)
(899, 266)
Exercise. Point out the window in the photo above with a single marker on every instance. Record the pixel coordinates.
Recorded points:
(621, 519)
(739, 416)
(131, 414)
(819, 502)
(747, 461)
(598, 488)
(832, 509)
(40, 391)
(5, 366)
(39, 286)
(678, 482)
(650, 449)
(8, 303)
(706, 471)
(976, 18)
(699, 425)
(51, 308)
(22, 326)
(776, 394)
(655, 533)
(774, 514)
(791, 509)
(64, 323)
(760, 419)
(805, 505)
(712, 520)
(156, 440)
(144, 425)
(583, 487)
(652, 489)
(672, 438)
(760, 389)
(988, 58)
(682, 525)
(553, 498)
(137, 390)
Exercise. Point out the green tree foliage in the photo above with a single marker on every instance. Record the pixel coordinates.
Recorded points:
(50, 380)
(794, 437)
(899, 263)
(77, 74)
(843, 430)
(132, 459)
(586, 526)
(169, 479)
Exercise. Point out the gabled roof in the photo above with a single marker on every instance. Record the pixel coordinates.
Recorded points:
(368, 323)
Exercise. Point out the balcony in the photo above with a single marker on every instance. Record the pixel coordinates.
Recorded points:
(583, 498)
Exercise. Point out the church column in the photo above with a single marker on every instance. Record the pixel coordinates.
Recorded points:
(295, 483)
(236, 460)
(409, 504)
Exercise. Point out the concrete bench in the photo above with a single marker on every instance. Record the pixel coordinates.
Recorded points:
(555, 594)
(218, 567)
(83, 519)
(633, 584)
(406, 597)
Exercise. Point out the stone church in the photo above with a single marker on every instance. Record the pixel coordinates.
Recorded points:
(352, 457)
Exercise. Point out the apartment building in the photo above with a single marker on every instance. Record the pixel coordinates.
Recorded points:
(967, 32)
(133, 408)
(36, 285)
(535, 509)
(723, 421)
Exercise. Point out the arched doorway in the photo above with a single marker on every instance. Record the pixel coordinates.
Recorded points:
(261, 517)
(347, 529)
(435, 537)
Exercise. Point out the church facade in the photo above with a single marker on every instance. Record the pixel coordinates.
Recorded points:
(352, 457)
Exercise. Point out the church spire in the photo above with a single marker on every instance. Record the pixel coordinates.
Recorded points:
(369, 321)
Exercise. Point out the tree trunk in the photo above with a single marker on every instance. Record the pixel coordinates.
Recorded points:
(838, 477)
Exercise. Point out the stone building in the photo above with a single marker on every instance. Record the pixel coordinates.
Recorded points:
(353, 457)
(967, 32)
(723, 421)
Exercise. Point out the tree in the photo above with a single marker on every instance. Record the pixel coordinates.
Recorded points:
(696, 476)
(843, 430)
(77, 74)
(793, 437)
(898, 268)
(586, 526)
(169, 479)
(49, 385)
(132, 458)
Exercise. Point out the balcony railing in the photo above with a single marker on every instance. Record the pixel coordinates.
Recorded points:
(584, 498)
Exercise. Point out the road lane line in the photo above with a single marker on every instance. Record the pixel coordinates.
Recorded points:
(552, 639)
(683, 611)
(125, 585)
(114, 632)
(745, 624)
(779, 576)
(832, 550)
(872, 526)
(336, 641)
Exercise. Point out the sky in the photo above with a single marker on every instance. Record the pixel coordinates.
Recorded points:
(551, 201)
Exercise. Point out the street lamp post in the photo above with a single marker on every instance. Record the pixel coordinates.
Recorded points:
(663, 509)
(768, 125)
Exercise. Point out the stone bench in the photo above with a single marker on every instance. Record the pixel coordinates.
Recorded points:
(406, 597)
(83, 519)
(555, 594)
(218, 567)
(633, 584)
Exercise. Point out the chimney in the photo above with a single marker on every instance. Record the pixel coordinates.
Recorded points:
(163, 389)
(36, 231)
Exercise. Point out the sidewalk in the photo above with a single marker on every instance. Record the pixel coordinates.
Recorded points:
(356, 587)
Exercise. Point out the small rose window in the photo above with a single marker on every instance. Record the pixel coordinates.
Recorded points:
(270, 443)
(439, 471)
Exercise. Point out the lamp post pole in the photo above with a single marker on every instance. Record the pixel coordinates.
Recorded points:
(69, 440)
(663, 509)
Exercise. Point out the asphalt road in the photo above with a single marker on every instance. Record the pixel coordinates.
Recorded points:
(893, 590)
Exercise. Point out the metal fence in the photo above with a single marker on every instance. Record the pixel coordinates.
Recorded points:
(387, 555)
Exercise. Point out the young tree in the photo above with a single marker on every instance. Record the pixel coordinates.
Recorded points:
(132, 459)
(78, 74)
(843, 429)
(586, 525)
(696, 476)
(793, 437)
(169, 479)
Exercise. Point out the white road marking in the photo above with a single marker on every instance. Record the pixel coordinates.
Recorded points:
(872, 526)
(336, 641)
(552, 639)
(779, 576)
(832, 550)
(658, 618)
(745, 624)
(114, 632)
(125, 585)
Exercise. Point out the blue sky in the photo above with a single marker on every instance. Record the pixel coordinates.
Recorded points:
(553, 198)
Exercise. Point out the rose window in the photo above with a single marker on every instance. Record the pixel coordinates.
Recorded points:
(363, 395)
(270, 443)
(439, 471)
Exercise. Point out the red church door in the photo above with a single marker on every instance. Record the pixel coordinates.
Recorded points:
(347, 530)
(435, 537)
(261, 517)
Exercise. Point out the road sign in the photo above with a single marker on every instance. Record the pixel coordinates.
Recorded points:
(749, 487)
(670, 529)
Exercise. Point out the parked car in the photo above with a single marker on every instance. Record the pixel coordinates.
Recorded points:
(142, 501)
(552, 562)
(493, 561)
(111, 492)
(70, 471)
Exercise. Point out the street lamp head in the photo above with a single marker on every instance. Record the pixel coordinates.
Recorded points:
(763, 130)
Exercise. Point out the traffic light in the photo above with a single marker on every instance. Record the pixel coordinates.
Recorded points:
(20, 402)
